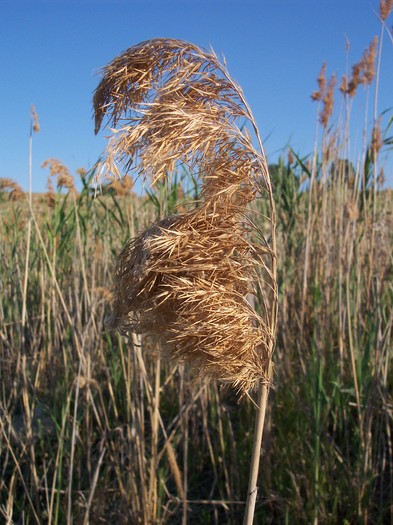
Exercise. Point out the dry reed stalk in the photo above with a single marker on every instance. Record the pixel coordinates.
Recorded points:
(34, 128)
(186, 279)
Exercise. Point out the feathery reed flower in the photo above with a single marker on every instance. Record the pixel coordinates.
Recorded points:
(186, 279)
(318, 95)
(34, 117)
(16, 193)
(50, 195)
(363, 72)
(64, 179)
(385, 7)
(376, 138)
(328, 102)
(368, 62)
(343, 87)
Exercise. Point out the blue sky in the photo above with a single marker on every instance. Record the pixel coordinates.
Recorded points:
(51, 51)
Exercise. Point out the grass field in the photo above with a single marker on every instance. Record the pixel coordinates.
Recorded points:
(98, 429)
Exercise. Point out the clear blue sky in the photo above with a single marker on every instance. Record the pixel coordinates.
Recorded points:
(51, 51)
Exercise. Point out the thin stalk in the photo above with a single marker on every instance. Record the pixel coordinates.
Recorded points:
(317, 442)
(252, 493)
(309, 226)
(263, 389)
(93, 487)
(26, 276)
(374, 154)
(73, 443)
(185, 472)
(154, 441)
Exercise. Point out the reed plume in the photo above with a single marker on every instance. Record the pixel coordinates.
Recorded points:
(318, 95)
(363, 72)
(328, 102)
(16, 193)
(385, 7)
(186, 279)
(64, 179)
(34, 120)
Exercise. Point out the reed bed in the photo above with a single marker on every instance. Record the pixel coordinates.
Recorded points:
(96, 428)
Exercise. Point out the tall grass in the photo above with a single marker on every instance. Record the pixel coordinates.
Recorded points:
(96, 429)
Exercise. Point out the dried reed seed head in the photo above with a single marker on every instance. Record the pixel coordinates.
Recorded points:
(385, 7)
(122, 186)
(64, 179)
(183, 113)
(321, 79)
(56, 168)
(364, 71)
(128, 79)
(50, 195)
(376, 138)
(328, 102)
(50, 199)
(82, 172)
(343, 87)
(35, 124)
(355, 80)
(368, 62)
(185, 280)
(16, 193)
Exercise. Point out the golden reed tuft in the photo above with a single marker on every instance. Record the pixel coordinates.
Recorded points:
(16, 193)
(328, 102)
(385, 7)
(318, 95)
(64, 179)
(363, 72)
(186, 280)
(34, 119)
(325, 94)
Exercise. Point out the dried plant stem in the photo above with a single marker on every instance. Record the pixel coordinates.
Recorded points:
(93, 487)
(309, 226)
(73, 444)
(26, 276)
(154, 439)
(263, 393)
(374, 154)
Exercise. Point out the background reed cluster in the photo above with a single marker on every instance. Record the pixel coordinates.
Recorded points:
(96, 429)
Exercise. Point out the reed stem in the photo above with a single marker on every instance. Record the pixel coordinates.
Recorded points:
(252, 493)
